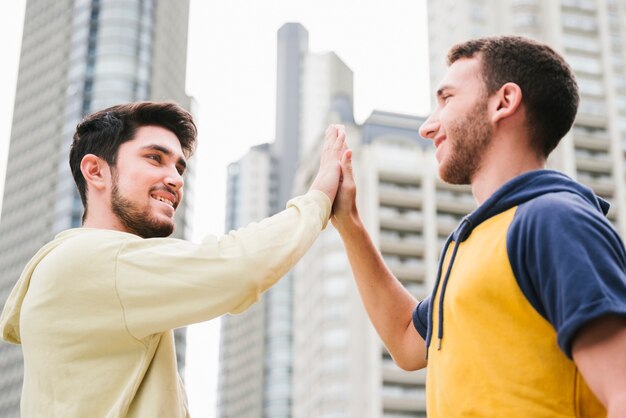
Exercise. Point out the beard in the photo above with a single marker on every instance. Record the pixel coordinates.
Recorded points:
(135, 219)
(469, 138)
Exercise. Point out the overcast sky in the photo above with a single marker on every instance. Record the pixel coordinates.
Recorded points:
(232, 76)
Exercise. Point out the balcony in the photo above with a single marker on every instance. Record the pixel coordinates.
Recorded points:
(414, 402)
(599, 164)
(595, 143)
(405, 197)
(401, 222)
(409, 247)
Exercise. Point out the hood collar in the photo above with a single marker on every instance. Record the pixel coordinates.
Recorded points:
(520, 189)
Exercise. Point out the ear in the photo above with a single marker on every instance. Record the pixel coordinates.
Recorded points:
(506, 102)
(96, 171)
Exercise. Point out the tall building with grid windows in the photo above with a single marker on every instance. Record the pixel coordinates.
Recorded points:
(591, 35)
(307, 349)
(77, 56)
(256, 347)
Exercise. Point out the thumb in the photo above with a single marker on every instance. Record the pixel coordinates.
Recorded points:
(346, 166)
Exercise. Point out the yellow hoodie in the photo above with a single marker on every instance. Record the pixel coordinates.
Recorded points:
(94, 309)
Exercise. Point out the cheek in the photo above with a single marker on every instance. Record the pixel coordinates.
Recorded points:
(132, 184)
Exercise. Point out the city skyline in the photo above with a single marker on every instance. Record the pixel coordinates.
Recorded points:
(253, 39)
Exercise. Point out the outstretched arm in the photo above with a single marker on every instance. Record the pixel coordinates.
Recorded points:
(164, 284)
(388, 304)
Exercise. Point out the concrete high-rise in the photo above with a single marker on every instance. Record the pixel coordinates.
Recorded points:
(256, 347)
(250, 193)
(341, 368)
(590, 35)
(77, 56)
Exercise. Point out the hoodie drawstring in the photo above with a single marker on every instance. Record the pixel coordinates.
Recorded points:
(461, 233)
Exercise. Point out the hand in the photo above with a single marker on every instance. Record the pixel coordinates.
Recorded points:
(329, 173)
(344, 206)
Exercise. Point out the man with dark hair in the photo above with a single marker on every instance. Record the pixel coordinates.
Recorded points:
(102, 133)
(95, 308)
(531, 286)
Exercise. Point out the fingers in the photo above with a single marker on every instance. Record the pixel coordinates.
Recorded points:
(335, 138)
(346, 165)
(347, 183)
(329, 174)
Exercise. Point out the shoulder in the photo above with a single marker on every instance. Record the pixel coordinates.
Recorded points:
(561, 228)
(561, 219)
(557, 207)
(82, 245)
(568, 260)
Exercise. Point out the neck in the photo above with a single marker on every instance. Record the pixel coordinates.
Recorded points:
(501, 164)
(99, 217)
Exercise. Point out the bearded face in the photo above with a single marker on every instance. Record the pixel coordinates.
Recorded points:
(138, 219)
(467, 139)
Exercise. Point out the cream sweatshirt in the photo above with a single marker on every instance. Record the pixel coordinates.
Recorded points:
(94, 309)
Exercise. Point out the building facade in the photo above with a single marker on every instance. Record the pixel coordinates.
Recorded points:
(591, 35)
(251, 190)
(77, 56)
(256, 347)
(341, 369)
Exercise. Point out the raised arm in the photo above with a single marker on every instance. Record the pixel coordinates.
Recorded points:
(388, 304)
(164, 284)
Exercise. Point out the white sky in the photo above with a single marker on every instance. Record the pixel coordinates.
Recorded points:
(232, 76)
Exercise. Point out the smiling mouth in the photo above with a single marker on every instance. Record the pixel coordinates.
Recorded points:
(439, 141)
(164, 200)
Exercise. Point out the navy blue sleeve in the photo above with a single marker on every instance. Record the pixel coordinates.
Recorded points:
(420, 317)
(569, 262)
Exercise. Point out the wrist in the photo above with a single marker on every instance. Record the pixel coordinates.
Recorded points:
(349, 224)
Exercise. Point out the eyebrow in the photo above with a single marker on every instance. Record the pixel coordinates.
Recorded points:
(181, 161)
(442, 89)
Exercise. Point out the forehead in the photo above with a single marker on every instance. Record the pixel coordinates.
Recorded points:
(463, 73)
(154, 135)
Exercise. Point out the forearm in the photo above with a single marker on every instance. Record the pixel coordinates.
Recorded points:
(166, 284)
(387, 302)
(272, 247)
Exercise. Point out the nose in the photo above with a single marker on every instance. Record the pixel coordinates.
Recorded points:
(430, 127)
(175, 180)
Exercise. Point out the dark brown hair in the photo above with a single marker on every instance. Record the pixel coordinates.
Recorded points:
(101, 133)
(549, 89)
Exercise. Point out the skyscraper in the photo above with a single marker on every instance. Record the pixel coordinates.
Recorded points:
(341, 368)
(256, 347)
(590, 35)
(77, 56)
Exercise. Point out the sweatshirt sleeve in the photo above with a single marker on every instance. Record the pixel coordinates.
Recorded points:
(420, 317)
(569, 262)
(165, 283)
